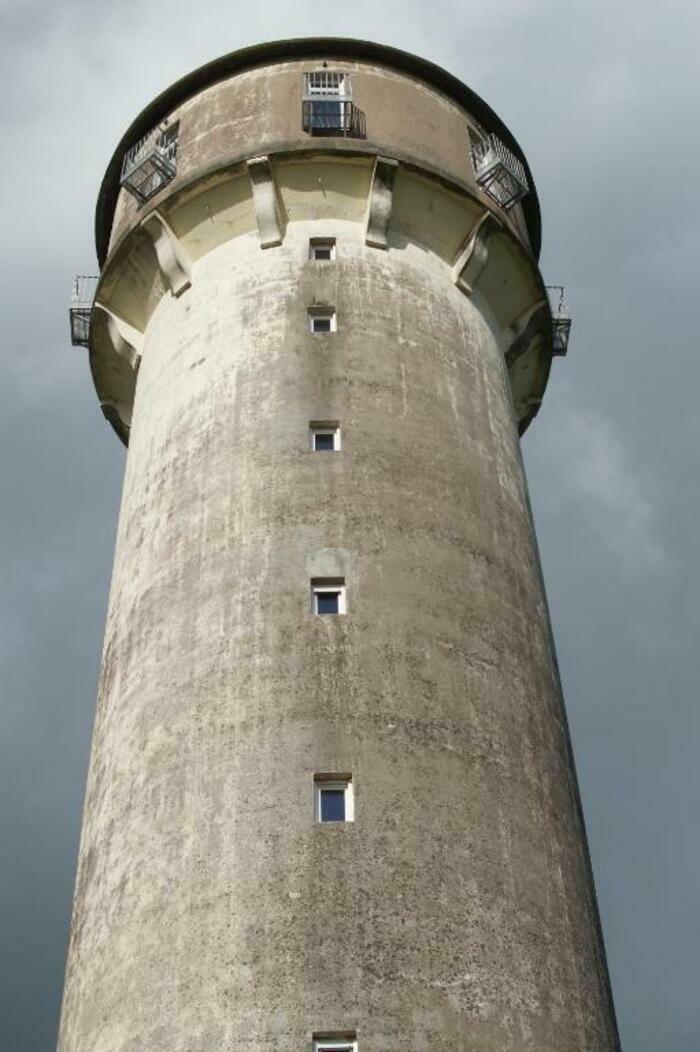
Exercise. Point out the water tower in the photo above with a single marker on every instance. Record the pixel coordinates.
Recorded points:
(331, 802)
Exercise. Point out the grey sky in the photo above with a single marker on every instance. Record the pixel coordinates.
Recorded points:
(603, 98)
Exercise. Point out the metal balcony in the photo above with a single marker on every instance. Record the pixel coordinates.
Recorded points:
(150, 164)
(333, 116)
(498, 171)
(561, 320)
(80, 310)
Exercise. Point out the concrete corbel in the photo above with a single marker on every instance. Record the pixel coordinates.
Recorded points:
(118, 414)
(380, 202)
(267, 210)
(520, 324)
(474, 256)
(526, 329)
(126, 340)
(173, 261)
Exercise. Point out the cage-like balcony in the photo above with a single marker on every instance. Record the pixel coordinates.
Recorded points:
(333, 116)
(561, 319)
(80, 310)
(498, 171)
(151, 163)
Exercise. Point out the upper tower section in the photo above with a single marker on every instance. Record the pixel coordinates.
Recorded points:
(306, 129)
(357, 96)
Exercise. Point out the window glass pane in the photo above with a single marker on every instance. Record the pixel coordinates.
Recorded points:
(322, 324)
(332, 805)
(327, 114)
(322, 252)
(322, 441)
(327, 602)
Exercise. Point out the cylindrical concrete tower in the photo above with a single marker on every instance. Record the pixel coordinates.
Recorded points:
(331, 801)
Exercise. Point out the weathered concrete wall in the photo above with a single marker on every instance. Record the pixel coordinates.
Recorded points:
(212, 912)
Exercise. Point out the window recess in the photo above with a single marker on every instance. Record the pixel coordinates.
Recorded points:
(322, 249)
(322, 319)
(328, 596)
(327, 106)
(333, 798)
(325, 436)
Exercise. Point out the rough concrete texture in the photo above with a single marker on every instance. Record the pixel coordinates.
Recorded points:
(212, 912)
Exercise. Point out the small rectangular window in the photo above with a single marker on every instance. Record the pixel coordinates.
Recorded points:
(342, 1044)
(328, 595)
(322, 248)
(333, 798)
(325, 437)
(322, 320)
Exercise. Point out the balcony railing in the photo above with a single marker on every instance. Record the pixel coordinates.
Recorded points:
(333, 116)
(498, 171)
(80, 310)
(561, 319)
(151, 163)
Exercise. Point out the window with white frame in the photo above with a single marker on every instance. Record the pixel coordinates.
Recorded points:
(325, 436)
(328, 595)
(322, 319)
(327, 95)
(322, 248)
(327, 83)
(339, 1043)
(327, 107)
(333, 798)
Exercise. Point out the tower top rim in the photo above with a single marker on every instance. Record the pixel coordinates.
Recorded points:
(303, 48)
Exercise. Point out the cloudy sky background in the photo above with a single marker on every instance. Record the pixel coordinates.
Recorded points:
(603, 97)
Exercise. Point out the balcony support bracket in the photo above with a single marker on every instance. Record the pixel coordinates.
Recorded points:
(380, 202)
(474, 254)
(126, 340)
(265, 202)
(530, 325)
(173, 261)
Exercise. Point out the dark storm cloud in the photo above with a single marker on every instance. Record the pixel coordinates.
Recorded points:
(604, 99)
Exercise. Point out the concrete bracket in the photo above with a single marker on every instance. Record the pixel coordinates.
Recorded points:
(173, 261)
(126, 340)
(474, 255)
(528, 328)
(118, 414)
(265, 202)
(520, 324)
(380, 202)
